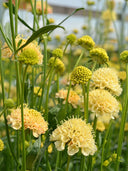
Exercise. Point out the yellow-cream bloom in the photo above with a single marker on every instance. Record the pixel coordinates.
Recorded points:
(33, 120)
(101, 102)
(76, 134)
(73, 98)
(106, 78)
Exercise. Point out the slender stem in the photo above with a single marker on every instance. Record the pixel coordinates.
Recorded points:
(85, 103)
(11, 23)
(123, 120)
(57, 160)
(47, 95)
(65, 48)
(58, 75)
(88, 84)
(10, 77)
(5, 112)
(82, 163)
(104, 143)
(34, 12)
(22, 119)
(77, 62)
(44, 68)
(32, 93)
(42, 6)
(16, 17)
(68, 162)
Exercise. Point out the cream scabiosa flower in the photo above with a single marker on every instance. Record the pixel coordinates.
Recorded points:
(106, 78)
(76, 134)
(101, 102)
(33, 120)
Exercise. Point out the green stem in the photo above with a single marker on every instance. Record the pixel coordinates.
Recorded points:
(34, 12)
(10, 78)
(47, 95)
(42, 6)
(104, 143)
(65, 48)
(85, 103)
(32, 93)
(16, 16)
(44, 68)
(57, 160)
(77, 62)
(22, 119)
(5, 112)
(68, 162)
(88, 84)
(58, 75)
(82, 163)
(123, 120)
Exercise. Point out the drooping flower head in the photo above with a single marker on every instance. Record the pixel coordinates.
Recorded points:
(81, 75)
(101, 102)
(58, 65)
(71, 38)
(76, 134)
(86, 42)
(57, 53)
(106, 78)
(99, 55)
(73, 98)
(124, 56)
(1, 145)
(33, 120)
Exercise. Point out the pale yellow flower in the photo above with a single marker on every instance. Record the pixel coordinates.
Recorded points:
(101, 103)
(76, 134)
(106, 78)
(33, 120)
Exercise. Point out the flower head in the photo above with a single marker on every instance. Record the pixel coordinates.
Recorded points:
(1, 145)
(73, 98)
(74, 133)
(86, 42)
(57, 53)
(90, 3)
(33, 120)
(31, 54)
(99, 55)
(124, 56)
(101, 102)
(106, 78)
(81, 75)
(71, 38)
(58, 65)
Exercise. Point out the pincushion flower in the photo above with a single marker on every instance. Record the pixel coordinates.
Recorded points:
(71, 38)
(86, 42)
(101, 102)
(99, 55)
(76, 134)
(31, 54)
(106, 78)
(57, 53)
(73, 98)
(81, 75)
(1, 145)
(124, 56)
(33, 120)
(58, 64)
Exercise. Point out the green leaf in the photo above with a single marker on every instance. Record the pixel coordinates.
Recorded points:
(39, 33)
(22, 21)
(78, 9)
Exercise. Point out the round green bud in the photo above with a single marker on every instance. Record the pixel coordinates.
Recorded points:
(81, 75)
(124, 56)
(9, 103)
